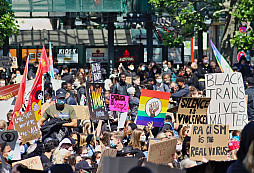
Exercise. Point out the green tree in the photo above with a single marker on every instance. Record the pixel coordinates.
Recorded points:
(8, 24)
(244, 13)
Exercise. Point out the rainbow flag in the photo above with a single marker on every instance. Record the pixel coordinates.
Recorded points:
(152, 107)
(51, 72)
(223, 64)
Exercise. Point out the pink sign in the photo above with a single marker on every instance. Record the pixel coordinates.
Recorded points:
(119, 103)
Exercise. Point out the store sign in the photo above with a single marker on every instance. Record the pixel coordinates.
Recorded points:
(67, 55)
(34, 55)
(96, 55)
(126, 57)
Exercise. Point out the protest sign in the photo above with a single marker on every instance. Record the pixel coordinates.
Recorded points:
(9, 91)
(209, 141)
(26, 126)
(162, 152)
(119, 164)
(192, 110)
(82, 112)
(228, 104)
(105, 152)
(121, 119)
(128, 80)
(156, 168)
(32, 163)
(10, 137)
(96, 101)
(152, 107)
(96, 72)
(5, 61)
(119, 103)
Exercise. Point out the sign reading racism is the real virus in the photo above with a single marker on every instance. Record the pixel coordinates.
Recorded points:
(152, 107)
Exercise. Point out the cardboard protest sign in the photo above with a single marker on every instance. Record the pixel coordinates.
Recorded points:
(5, 61)
(96, 101)
(162, 152)
(228, 103)
(128, 80)
(31, 163)
(96, 72)
(26, 126)
(82, 112)
(105, 152)
(119, 164)
(152, 107)
(119, 103)
(156, 168)
(209, 141)
(192, 110)
(10, 137)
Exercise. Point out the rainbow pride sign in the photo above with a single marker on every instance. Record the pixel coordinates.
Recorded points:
(152, 107)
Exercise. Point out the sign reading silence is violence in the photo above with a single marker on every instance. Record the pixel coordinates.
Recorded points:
(209, 141)
(192, 110)
(152, 107)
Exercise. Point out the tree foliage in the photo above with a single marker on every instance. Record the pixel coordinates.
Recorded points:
(187, 17)
(8, 24)
(244, 12)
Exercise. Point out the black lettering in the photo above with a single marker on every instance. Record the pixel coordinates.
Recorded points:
(223, 129)
(231, 81)
(209, 81)
(234, 93)
(218, 91)
(226, 94)
(216, 130)
(195, 130)
(226, 79)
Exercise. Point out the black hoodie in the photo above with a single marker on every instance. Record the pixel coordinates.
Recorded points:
(247, 136)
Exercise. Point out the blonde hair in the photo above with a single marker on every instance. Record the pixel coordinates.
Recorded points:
(161, 136)
(135, 139)
(118, 135)
(3, 124)
(86, 127)
(248, 162)
(83, 140)
(58, 155)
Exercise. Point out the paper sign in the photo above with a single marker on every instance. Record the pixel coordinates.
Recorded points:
(106, 152)
(162, 152)
(96, 101)
(192, 110)
(122, 118)
(120, 164)
(82, 112)
(10, 137)
(96, 72)
(31, 163)
(119, 103)
(5, 61)
(209, 142)
(128, 80)
(26, 126)
(228, 104)
(152, 107)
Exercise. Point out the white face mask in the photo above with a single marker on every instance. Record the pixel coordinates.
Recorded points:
(142, 138)
(131, 68)
(98, 161)
(179, 147)
(159, 80)
(164, 66)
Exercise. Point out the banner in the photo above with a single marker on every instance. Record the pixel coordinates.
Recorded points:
(152, 107)
(162, 152)
(96, 101)
(44, 61)
(32, 163)
(82, 112)
(192, 110)
(119, 103)
(26, 126)
(9, 91)
(96, 72)
(209, 142)
(105, 152)
(228, 104)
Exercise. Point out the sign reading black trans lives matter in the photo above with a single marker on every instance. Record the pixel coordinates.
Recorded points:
(193, 110)
(228, 104)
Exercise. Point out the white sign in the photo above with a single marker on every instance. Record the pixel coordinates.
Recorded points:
(187, 47)
(67, 55)
(228, 105)
(175, 54)
(157, 54)
(96, 55)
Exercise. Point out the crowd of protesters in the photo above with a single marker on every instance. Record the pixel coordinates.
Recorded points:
(77, 149)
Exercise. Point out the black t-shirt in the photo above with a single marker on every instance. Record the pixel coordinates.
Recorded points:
(44, 159)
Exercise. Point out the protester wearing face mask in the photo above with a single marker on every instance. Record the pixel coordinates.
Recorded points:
(142, 72)
(138, 140)
(160, 86)
(181, 90)
(60, 110)
(116, 141)
(203, 68)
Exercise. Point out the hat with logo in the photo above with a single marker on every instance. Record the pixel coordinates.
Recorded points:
(60, 93)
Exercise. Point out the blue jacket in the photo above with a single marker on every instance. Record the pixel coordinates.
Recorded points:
(182, 92)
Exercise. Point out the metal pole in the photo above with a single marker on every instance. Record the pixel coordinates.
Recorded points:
(200, 45)
(111, 58)
(149, 35)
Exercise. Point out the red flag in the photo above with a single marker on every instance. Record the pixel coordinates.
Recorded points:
(9, 91)
(35, 97)
(45, 61)
(20, 98)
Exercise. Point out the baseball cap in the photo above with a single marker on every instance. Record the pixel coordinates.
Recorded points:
(83, 165)
(60, 93)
